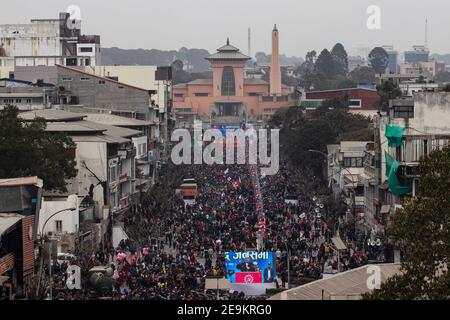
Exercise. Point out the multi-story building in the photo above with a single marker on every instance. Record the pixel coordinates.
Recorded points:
(345, 168)
(85, 92)
(393, 58)
(428, 69)
(20, 202)
(418, 54)
(47, 42)
(105, 162)
(145, 144)
(26, 95)
(361, 100)
(413, 127)
(229, 98)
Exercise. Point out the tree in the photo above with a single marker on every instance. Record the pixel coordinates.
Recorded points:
(327, 125)
(422, 232)
(340, 58)
(362, 75)
(379, 60)
(442, 76)
(26, 149)
(388, 90)
(325, 64)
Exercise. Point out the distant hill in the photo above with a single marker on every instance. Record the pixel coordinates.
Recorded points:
(262, 58)
(193, 59)
(441, 57)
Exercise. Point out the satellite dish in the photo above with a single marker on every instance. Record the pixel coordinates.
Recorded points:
(34, 82)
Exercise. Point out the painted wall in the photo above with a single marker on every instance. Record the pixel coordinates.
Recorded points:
(138, 76)
(70, 219)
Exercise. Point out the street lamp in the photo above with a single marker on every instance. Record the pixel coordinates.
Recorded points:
(353, 184)
(49, 253)
(284, 239)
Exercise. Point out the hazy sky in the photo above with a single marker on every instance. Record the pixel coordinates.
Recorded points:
(303, 25)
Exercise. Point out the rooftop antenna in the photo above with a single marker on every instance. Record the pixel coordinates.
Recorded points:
(426, 33)
(249, 43)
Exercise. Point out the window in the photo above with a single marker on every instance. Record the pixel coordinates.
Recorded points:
(85, 79)
(179, 95)
(113, 174)
(228, 86)
(184, 109)
(353, 162)
(28, 100)
(120, 87)
(87, 62)
(354, 103)
(86, 49)
(403, 112)
(254, 94)
(18, 100)
(66, 79)
(101, 81)
(58, 224)
(201, 94)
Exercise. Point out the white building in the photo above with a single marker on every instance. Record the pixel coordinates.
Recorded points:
(345, 169)
(57, 223)
(47, 42)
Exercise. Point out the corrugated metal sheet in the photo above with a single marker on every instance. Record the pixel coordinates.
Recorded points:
(345, 285)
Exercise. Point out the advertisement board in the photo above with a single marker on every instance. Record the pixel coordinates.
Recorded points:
(251, 267)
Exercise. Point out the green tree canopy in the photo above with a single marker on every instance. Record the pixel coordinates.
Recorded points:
(362, 75)
(340, 58)
(422, 231)
(325, 64)
(379, 60)
(26, 149)
(388, 90)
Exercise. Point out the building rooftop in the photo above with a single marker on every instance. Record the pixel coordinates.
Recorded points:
(52, 115)
(350, 284)
(114, 120)
(12, 182)
(228, 52)
(75, 69)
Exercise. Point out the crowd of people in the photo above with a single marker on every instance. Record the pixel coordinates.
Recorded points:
(173, 247)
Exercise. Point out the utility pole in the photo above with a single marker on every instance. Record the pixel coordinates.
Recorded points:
(50, 268)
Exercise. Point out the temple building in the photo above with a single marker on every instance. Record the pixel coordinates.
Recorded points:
(230, 98)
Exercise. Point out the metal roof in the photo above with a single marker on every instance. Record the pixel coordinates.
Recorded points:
(113, 120)
(228, 52)
(228, 55)
(99, 138)
(51, 115)
(350, 284)
(11, 182)
(7, 220)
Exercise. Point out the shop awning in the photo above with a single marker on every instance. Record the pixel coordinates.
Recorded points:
(385, 208)
(394, 134)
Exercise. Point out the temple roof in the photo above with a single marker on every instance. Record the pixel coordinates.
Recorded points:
(228, 52)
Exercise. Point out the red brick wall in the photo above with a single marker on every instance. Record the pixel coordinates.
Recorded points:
(28, 245)
(6, 263)
(370, 100)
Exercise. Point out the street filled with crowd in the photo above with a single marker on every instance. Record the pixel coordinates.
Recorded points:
(173, 246)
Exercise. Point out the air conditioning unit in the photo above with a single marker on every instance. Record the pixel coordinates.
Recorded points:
(50, 233)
